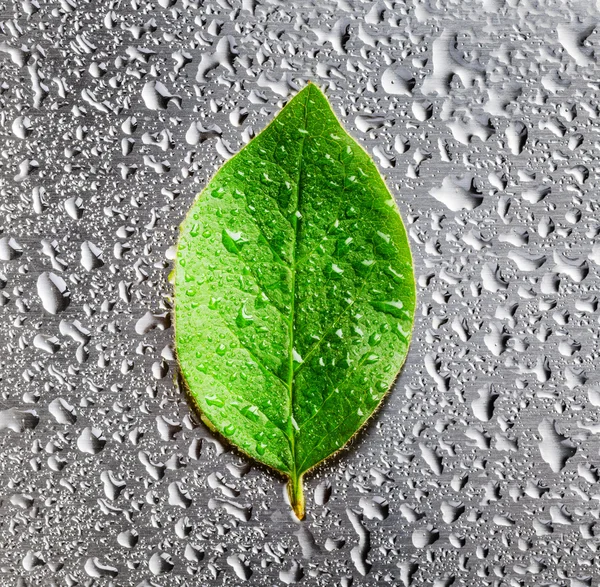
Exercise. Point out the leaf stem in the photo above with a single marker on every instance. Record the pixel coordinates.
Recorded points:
(296, 495)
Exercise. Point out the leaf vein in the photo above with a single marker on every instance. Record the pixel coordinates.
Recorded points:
(260, 286)
(242, 399)
(249, 351)
(336, 321)
(336, 389)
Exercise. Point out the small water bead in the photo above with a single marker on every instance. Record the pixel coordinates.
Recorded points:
(393, 308)
(281, 153)
(401, 332)
(343, 246)
(9, 249)
(53, 292)
(336, 270)
(395, 275)
(243, 318)
(228, 428)
(261, 448)
(214, 400)
(233, 241)
(251, 412)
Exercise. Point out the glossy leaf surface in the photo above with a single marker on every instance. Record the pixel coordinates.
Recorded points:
(294, 292)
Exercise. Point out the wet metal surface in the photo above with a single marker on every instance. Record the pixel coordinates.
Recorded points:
(481, 466)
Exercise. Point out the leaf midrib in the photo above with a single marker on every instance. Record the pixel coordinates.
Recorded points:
(291, 322)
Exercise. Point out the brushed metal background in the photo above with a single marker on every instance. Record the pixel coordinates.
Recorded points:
(481, 466)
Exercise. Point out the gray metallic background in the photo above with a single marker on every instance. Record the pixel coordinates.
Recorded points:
(481, 466)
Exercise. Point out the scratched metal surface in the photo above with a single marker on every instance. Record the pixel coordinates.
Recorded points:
(480, 468)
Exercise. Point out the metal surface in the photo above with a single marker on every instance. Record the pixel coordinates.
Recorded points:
(480, 468)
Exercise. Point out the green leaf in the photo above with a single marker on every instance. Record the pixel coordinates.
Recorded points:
(294, 292)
